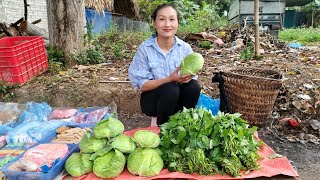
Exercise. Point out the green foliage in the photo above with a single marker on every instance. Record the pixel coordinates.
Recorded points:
(195, 16)
(306, 36)
(55, 55)
(120, 45)
(55, 67)
(92, 55)
(248, 52)
(187, 10)
(6, 93)
(204, 18)
(205, 45)
(147, 7)
(194, 141)
(222, 5)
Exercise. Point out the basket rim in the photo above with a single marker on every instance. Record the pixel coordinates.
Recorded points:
(229, 72)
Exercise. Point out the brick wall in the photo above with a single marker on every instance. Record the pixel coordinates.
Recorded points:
(13, 10)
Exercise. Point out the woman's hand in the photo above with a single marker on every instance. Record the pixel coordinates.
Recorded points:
(175, 77)
(186, 78)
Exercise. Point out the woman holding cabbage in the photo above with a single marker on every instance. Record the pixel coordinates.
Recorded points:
(156, 69)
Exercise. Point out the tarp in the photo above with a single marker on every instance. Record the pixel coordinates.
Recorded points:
(268, 167)
(100, 22)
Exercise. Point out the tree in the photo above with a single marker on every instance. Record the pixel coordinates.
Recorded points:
(66, 24)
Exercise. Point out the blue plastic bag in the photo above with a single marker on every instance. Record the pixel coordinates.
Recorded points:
(35, 112)
(209, 103)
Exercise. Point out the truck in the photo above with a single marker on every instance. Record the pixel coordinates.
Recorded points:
(271, 14)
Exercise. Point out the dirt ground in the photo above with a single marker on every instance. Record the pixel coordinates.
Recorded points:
(99, 85)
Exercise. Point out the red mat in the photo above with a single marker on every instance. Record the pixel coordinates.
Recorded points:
(268, 167)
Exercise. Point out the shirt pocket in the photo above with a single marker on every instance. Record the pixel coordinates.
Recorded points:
(156, 70)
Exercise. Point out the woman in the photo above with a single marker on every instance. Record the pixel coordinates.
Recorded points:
(155, 69)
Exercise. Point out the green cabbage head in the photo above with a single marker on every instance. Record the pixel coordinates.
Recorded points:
(191, 64)
(109, 165)
(78, 164)
(146, 138)
(91, 144)
(144, 162)
(108, 128)
(123, 143)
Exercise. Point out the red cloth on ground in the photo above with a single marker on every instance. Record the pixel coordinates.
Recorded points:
(268, 167)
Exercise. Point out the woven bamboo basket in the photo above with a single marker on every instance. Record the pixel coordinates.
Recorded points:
(252, 92)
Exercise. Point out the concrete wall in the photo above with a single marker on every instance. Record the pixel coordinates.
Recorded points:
(13, 10)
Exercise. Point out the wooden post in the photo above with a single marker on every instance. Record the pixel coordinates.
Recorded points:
(256, 25)
(312, 15)
(25, 9)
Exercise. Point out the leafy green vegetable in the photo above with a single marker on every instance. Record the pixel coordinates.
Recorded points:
(123, 143)
(78, 164)
(191, 64)
(108, 128)
(194, 141)
(91, 144)
(146, 138)
(109, 165)
(145, 162)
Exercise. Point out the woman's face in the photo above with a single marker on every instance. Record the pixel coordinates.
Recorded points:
(166, 22)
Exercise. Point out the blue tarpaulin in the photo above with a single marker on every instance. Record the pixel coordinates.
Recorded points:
(100, 23)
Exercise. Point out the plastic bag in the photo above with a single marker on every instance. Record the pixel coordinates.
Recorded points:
(42, 110)
(209, 103)
(9, 112)
(35, 112)
(63, 113)
(33, 131)
(92, 115)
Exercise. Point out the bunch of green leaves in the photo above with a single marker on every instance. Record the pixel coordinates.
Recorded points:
(234, 145)
(184, 139)
(55, 55)
(6, 93)
(248, 52)
(205, 45)
(194, 141)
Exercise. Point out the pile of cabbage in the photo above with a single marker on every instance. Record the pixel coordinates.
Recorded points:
(106, 151)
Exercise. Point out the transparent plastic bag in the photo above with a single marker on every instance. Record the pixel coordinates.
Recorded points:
(9, 112)
(92, 115)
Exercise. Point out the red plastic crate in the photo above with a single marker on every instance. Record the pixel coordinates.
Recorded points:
(22, 58)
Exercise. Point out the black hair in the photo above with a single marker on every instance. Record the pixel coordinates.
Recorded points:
(161, 6)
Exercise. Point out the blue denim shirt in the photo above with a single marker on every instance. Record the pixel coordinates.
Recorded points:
(151, 63)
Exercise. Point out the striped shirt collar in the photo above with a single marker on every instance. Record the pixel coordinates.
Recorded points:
(151, 41)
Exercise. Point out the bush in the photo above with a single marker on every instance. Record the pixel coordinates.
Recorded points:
(305, 36)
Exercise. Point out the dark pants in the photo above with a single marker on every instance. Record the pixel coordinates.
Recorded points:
(168, 99)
